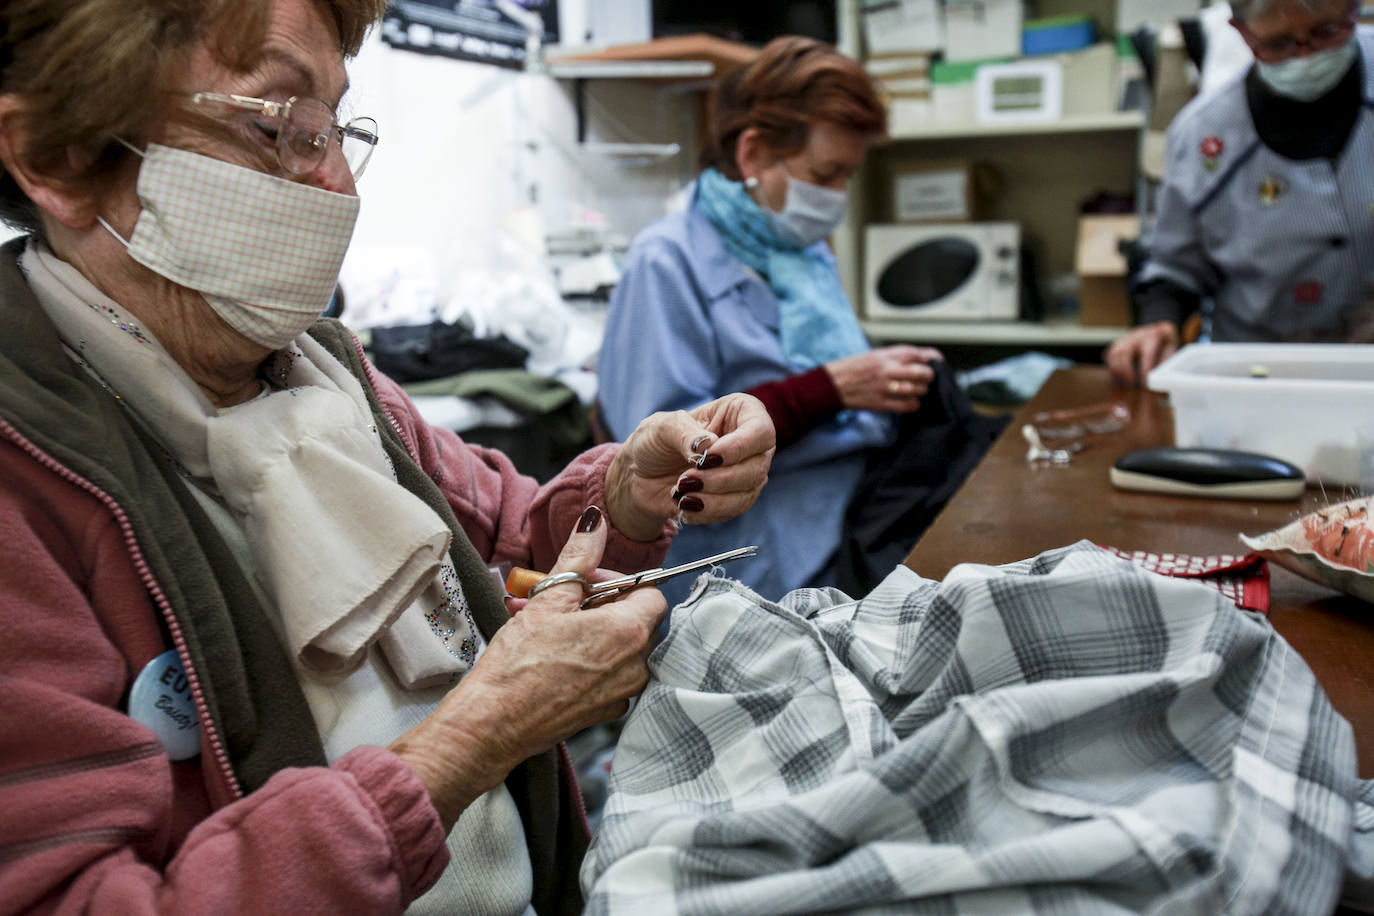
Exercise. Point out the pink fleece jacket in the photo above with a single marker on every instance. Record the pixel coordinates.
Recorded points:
(93, 815)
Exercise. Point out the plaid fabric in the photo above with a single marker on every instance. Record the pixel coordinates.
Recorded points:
(1064, 735)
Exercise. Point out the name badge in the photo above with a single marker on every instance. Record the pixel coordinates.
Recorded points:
(161, 701)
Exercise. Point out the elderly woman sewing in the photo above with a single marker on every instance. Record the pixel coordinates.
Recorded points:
(254, 658)
(740, 293)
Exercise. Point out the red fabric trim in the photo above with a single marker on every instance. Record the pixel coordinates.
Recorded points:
(1243, 578)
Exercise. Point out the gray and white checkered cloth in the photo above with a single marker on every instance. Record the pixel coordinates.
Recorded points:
(1064, 735)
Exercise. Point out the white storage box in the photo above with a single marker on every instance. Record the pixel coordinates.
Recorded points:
(1299, 402)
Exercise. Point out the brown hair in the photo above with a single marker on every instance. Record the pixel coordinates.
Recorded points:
(793, 83)
(90, 70)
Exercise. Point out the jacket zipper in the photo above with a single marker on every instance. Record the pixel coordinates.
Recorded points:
(411, 448)
(570, 774)
(140, 565)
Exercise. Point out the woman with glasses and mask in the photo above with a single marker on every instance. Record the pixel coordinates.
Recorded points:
(1267, 202)
(740, 293)
(254, 657)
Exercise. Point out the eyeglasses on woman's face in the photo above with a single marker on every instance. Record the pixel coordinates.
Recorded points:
(1320, 37)
(302, 129)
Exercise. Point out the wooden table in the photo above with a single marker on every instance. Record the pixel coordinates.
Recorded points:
(1009, 510)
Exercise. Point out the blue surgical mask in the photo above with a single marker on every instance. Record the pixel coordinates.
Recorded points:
(810, 212)
(1306, 78)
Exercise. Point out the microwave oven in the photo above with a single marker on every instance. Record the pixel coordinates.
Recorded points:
(942, 271)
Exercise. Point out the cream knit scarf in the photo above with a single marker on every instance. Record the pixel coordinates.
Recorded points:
(348, 556)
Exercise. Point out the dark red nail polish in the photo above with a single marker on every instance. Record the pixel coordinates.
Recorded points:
(691, 504)
(591, 517)
(706, 462)
(687, 484)
(700, 442)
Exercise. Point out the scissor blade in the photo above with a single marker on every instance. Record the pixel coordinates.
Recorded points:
(660, 575)
(648, 577)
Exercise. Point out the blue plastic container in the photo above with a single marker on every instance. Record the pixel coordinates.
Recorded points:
(1057, 35)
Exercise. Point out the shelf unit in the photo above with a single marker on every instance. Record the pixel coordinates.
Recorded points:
(1048, 168)
(630, 69)
(1074, 124)
(687, 62)
(991, 333)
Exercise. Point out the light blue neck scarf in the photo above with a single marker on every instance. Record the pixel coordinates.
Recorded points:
(815, 318)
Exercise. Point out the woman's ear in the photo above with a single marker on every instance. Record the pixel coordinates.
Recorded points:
(48, 184)
(751, 155)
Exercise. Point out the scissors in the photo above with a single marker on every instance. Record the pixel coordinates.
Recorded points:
(522, 582)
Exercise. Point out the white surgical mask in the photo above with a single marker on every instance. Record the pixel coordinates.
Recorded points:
(1306, 78)
(263, 251)
(810, 212)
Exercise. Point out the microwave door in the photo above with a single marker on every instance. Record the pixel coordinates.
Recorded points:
(931, 277)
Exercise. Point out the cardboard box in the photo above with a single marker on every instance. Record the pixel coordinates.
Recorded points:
(1091, 81)
(979, 29)
(1057, 35)
(1103, 302)
(910, 113)
(897, 66)
(936, 190)
(1132, 14)
(1102, 298)
(895, 26)
(951, 91)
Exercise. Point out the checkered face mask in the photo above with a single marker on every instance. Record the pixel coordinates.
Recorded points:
(263, 251)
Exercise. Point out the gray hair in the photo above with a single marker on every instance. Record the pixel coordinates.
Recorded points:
(1245, 10)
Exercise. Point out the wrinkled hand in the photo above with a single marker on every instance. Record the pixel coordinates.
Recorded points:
(709, 463)
(892, 379)
(550, 672)
(1132, 357)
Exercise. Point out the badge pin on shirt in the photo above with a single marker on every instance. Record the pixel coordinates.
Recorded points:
(1271, 189)
(1211, 149)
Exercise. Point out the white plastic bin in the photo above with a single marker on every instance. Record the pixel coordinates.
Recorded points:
(1299, 402)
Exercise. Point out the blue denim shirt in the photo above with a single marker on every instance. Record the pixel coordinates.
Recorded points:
(688, 323)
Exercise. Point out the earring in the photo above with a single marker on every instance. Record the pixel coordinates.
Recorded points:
(751, 183)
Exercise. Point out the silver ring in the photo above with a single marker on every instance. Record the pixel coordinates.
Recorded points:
(562, 578)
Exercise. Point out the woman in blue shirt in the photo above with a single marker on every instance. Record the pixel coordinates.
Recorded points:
(740, 293)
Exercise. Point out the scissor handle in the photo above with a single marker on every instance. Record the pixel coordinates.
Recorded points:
(521, 580)
(623, 583)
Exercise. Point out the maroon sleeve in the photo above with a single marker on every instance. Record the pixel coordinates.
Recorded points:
(799, 403)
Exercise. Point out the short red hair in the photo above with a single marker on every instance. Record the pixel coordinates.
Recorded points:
(792, 84)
